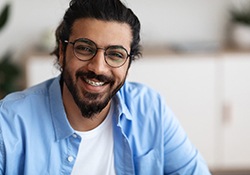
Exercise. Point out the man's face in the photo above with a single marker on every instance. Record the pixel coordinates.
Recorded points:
(93, 83)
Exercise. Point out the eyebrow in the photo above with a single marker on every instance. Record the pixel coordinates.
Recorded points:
(89, 41)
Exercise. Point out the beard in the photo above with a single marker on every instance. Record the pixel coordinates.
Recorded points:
(90, 104)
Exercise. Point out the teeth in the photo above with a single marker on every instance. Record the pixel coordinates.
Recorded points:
(93, 83)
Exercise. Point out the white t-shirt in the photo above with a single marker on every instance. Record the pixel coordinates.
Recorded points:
(95, 155)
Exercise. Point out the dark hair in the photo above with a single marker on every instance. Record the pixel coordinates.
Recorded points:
(107, 10)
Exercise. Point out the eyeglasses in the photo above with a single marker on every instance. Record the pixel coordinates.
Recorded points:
(85, 49)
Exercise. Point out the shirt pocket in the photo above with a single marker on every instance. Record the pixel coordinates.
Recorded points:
(148, 164)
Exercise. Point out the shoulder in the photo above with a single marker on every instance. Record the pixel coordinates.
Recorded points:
(21, 112)
(146, 106)
(139, 91)
(142, 100)
(20, 101)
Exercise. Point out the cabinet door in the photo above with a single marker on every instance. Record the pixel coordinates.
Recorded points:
(40, 68)
(188, 85)
(236, 120)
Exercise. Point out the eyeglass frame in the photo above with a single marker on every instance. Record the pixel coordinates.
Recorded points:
(96, 50)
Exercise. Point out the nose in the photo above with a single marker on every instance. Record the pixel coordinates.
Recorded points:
(97, 64)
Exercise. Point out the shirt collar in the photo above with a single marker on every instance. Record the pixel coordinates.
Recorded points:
(121, 104)
(61, 124)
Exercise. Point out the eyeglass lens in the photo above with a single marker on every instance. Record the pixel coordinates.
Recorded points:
(85, 49)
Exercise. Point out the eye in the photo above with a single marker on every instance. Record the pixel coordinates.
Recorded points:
(116, 53)
(84, 49)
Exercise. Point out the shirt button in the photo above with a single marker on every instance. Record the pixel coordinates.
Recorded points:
(74, 135)
(70, 158)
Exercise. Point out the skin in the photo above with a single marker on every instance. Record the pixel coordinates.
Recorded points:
(104, 34)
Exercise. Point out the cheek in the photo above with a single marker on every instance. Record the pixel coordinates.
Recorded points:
(69, 58)
(71, 63)
(122, 73)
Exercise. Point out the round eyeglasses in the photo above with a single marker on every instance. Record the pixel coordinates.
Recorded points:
(85, 49)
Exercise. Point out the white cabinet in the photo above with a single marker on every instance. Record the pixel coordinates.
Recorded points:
(40, 68)
(236, 116)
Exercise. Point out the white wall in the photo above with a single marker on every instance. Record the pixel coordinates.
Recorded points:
(178, 21)
(29, 20)
(163, 21)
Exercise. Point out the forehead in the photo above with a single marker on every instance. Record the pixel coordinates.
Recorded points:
(103, 33)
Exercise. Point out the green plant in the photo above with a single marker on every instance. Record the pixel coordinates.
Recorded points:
(241, 15)
(9, 72)
(4, 15)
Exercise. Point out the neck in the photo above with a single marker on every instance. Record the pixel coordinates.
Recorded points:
(77, 121)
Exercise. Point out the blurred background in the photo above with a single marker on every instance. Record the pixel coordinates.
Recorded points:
(195, 52)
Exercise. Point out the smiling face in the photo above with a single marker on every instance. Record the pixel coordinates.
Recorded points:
(91, 84)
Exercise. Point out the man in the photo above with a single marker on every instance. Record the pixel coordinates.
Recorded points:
(89, 120)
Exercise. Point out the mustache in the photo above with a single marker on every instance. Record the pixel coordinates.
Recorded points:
(93, 75)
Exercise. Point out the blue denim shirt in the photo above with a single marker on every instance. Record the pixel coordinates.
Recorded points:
(36, 137)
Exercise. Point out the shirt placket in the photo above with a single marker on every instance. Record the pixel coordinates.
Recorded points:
(73, 143)
(122, 152)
